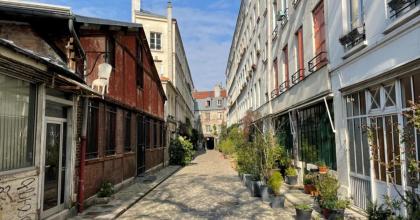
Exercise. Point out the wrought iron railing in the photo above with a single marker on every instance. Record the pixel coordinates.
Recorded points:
(318, 62)
(399, 7)
(298, 76)
(274, 93)
(283, 87)
(354, 37)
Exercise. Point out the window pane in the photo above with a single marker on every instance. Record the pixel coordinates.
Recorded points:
(351, 146)
(396, 152)
(17, 116)
(110, 130)
(356, 104)
(92, 131)
(362, 102)
(358, 146)
(349, 105)
(355, 13)
(416, 84)
(406, 94)
(366, 151)
(381, 146)
(127, 132)
(375, 146)
(390, 95)
(375, 98)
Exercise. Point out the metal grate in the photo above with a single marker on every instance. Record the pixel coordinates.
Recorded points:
(361, 192)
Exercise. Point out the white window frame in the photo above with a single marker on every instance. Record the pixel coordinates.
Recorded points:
(154, 36)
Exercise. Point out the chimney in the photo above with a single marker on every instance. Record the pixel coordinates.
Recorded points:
(135, 6)
(217, 90)
(170, 43)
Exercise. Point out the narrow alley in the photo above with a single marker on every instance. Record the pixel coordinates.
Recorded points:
(207, 189)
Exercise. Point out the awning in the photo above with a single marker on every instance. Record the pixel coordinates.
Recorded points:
(81, 86)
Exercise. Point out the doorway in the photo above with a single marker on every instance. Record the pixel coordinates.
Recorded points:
(210, 143)
(141, 145)
(54, 166)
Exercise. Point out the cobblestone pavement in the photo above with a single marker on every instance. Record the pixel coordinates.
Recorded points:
(207, 189)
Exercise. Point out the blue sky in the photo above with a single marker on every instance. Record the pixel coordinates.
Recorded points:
(206, 27)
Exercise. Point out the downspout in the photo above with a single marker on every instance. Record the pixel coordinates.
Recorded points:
(81, 186)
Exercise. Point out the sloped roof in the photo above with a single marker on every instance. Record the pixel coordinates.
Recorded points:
(149, 13)
(208, 94)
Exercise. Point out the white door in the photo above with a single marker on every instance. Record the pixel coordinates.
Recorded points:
(54, 166)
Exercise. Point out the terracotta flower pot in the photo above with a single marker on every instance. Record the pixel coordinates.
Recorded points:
(308, 188)
(323, 169)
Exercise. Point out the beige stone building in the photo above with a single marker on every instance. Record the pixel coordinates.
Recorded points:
(210, 108)
(167, 48)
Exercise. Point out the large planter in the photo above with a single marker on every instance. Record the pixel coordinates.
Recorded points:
(266, 194)
(246, 178)
(332, 214)
(303, 214)
(277, 202)
(291, 180)
(254, 188)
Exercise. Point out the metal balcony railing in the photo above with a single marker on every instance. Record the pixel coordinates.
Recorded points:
(274, 93)
(298, 76)
(354, 37)
(283, 87)
(399, 7)
(318, 62)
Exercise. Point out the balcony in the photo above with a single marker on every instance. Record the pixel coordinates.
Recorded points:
(280, 90)
(354, 37)
(298, 76)
(274, 93)
(400, 7)
(319, 61)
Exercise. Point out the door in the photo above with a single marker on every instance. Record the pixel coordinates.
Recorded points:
(54, 167)
(141, 167)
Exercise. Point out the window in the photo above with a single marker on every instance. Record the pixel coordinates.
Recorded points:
(208, 103)
(286, 66)
(358, 134)
(127, 132)
(155, 41)
(17, 117)
(147, 127)
(92, 130)
(220, 115)
(219, 102)
(300, 65)
(155, 134)
(110, 51)
(208, 128)
(208, 116)
(274, 14)
(139, 66)
(110, 121)
(276, 73)
(356, 13)
(320, 58)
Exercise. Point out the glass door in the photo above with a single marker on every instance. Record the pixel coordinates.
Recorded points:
(54, 167)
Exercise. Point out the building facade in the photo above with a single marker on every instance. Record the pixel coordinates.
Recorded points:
(62, 134)
(125, 128)
(277, 68)
(374, 65)
(210, 109)
(319, 73)
(168, 52)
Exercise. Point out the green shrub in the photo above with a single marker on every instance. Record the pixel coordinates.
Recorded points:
(106, 190)
(247, 160)
(275, 182)
(328, 187)
(304, 207)
(290, 171)
(181, 151)
(227, 147)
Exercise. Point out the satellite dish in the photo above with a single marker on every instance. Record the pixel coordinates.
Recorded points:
(102, 83)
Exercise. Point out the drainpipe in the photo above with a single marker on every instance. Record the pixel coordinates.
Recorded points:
(81, 188)
(81, 192)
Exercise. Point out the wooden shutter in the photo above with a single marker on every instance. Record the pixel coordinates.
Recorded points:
(319, 28)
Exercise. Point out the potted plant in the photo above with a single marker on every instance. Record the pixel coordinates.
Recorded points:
(291, 176)
(322, 167)
(303, 211)
(308, 184)
(274, 183)
(105, 193)
(334, 208)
